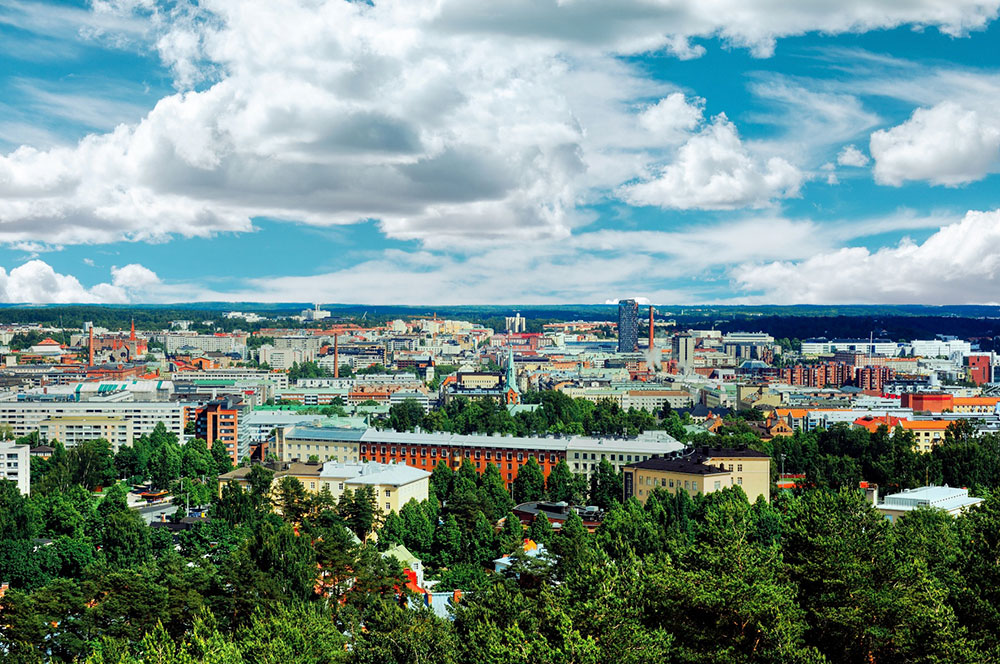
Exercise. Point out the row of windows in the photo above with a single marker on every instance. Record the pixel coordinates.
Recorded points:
(612, 457)
(478, 454)
(688, 484)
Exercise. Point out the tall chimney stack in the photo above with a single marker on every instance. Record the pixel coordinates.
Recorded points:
(650, 327)
(336, 356)
(91, 352)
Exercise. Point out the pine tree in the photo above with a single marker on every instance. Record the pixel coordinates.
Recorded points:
(511, 535)
(529, 485)
(540, 530)
(495, 498)
(448, 542)
(560, 485)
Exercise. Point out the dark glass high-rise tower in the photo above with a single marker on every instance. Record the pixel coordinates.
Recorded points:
(628, 326)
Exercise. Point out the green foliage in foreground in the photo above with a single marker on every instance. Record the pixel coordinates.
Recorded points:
(817, 577)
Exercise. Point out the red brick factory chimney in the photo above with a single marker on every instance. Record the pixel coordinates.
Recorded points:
(336, 357)
(650, 327)
(91, 353)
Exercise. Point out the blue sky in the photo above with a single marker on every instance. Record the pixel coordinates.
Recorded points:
(450, 152)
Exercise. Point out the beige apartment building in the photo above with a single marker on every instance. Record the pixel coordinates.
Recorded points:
(71, 431)
(701, 471)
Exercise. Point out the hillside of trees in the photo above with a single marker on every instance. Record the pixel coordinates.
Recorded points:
(815, 576)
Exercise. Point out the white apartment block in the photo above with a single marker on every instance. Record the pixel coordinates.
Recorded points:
(27, 416)
(938, 347)
(280, 380)
(284, 358)
(210, 343)
(654, 400)
(15, 465)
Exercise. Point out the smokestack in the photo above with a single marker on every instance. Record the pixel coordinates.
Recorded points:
(336, 356)
(650, 327)
(91, 360)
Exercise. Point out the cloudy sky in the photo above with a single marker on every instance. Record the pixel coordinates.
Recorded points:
(525, 151)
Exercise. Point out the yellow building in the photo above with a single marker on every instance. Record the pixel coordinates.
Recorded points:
(71, 431)
(701, 471)
(983, 405)
(926, 433)
(394, 484)
(325, 443)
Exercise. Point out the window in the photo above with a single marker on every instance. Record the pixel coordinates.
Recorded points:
(478, 453)
(739, 480)
(388, 493)
(629, 457)
(576, 455)
(489, 455)
(520, 456)
(739, 467)
(730, 466)
(718, 485)
(434, 452)
(671, 484)
(340, 486)
(509, 456)
(388, 507)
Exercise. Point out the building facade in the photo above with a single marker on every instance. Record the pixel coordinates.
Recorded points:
(701, 471)
(15, 465)
(628, 326)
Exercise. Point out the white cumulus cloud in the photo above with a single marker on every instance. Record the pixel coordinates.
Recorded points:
(959, 262)
(852, 156)
(946, 144)
(715, 170)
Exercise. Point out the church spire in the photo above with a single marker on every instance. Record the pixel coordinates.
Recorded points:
(513, 392)
(131, 336)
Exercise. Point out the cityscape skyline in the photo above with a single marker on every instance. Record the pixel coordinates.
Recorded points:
(408, 152)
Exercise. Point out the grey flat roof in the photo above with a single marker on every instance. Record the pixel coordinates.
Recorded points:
(332, 434)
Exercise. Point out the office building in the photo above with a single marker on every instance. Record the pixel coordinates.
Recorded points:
(628, 326)
(682, 352)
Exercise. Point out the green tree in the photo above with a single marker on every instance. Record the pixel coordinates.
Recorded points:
(529, 485)
(125, 539)
(562, 485)
(221, 457)
(605, 485)
(92, 463)
(196, 459)
(511, 535)
(291, 499)
(494, 496)
(540, 530)
(447, 542)
(406, 415)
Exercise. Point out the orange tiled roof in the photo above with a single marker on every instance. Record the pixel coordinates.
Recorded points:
(976, 401)
(933, 425)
